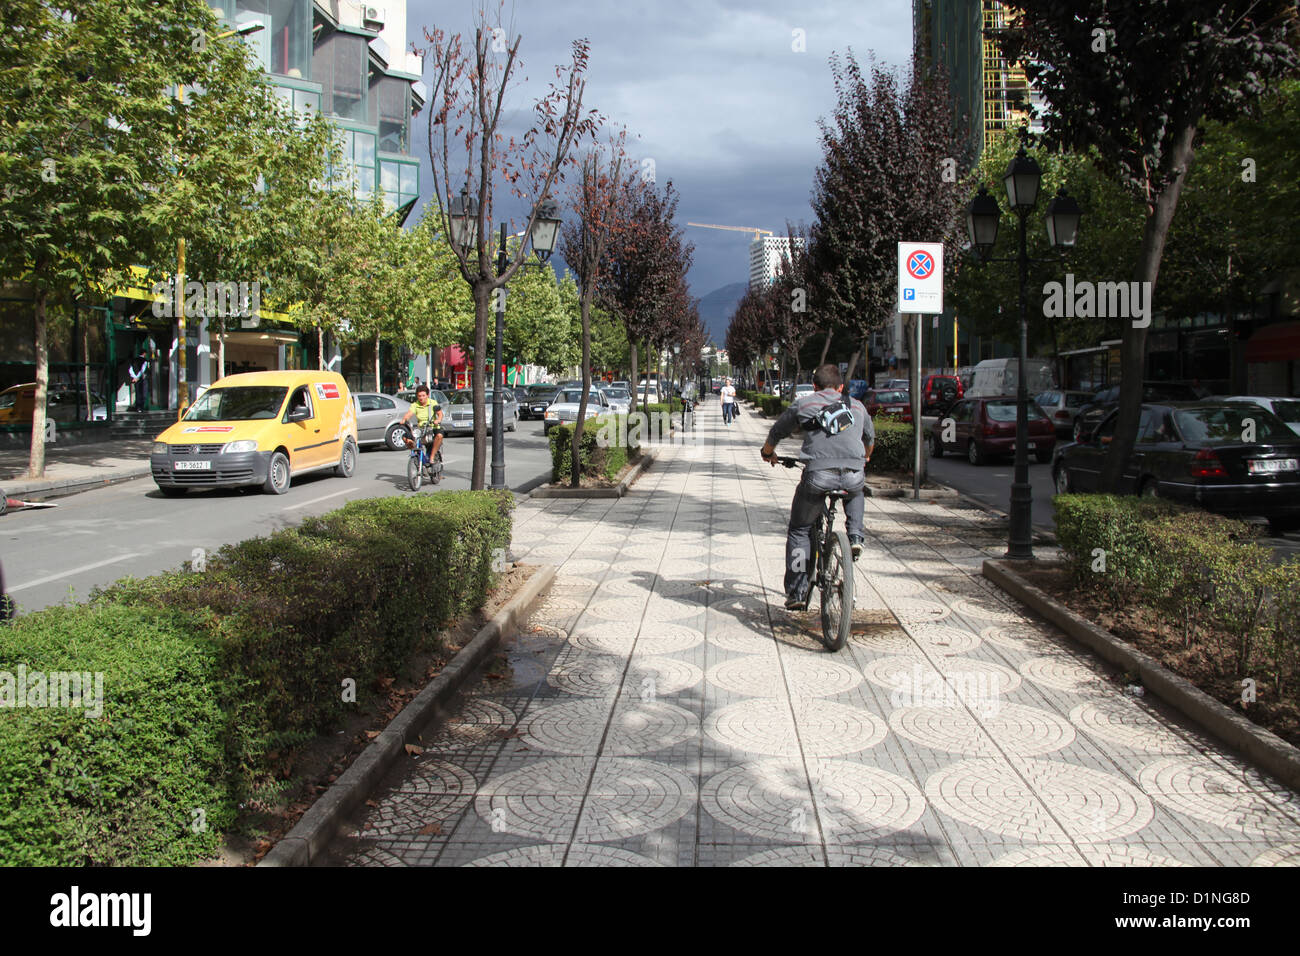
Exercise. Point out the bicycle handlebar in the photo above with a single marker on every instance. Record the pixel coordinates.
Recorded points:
(789, 462)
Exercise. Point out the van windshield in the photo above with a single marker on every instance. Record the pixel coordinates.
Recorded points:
(238, 404)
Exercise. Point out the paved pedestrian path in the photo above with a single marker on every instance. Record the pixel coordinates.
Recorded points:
(664, 708)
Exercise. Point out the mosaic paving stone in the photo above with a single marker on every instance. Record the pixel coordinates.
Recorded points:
(586, 727)
(765, 726)
(1006, 727)
(559, 854)
(766, 676)
(1205, 792)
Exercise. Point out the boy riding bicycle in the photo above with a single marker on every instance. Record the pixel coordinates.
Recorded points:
(836, 448)
(428, 418)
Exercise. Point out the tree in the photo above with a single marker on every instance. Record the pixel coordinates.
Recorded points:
(595, 198)
(87, 130)
(467, 101)
(1133, 82)
(884, 179)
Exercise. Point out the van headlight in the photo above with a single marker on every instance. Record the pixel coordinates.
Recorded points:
(161, 448)
(234, 447)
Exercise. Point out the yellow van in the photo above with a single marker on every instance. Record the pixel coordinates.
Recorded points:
(259, 428)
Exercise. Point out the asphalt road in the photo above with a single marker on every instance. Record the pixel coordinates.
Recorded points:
(94, 538)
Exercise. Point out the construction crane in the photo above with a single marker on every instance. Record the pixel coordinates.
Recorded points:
(756, 232)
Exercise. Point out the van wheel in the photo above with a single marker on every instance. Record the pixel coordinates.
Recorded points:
(277, 475)
(1062, 478)
(347, 461)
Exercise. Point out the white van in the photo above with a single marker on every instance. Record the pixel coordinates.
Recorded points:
(1002, 377)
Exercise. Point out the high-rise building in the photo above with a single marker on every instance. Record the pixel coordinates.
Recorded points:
(766, 253)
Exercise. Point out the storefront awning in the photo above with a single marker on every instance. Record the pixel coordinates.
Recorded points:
(1275, 343)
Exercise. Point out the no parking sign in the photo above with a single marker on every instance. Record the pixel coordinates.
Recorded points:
(920, 277)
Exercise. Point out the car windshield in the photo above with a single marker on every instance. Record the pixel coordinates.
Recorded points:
(466, 397)
(572, 396)
(1288, 411)
(239, 403)
(1077, 399)
(1229, 424)
(1005, 411)
(542, 391)
(619, 393)
(9, 400)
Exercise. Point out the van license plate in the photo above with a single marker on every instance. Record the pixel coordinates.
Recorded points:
(1271, 466)
(1031, 445)
(191, 466)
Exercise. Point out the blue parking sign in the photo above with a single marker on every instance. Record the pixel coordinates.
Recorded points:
(909, 295)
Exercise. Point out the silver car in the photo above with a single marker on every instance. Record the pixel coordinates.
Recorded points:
(564, 409)
(458, 414)
(1062, 407)
(379, 420)
(620, 399)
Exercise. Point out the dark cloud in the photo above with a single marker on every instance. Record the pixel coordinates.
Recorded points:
(713, 90)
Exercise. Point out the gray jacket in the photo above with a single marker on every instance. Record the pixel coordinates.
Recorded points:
(848, 449)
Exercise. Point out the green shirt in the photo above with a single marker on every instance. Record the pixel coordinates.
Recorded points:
(425, 415)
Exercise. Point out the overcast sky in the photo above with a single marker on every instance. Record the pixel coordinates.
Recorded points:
(714, 90)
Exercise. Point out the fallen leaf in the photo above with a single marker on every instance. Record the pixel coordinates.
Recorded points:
(494, 676)
(372, 803)
(413, 750)
(372, 734)
(431, 829)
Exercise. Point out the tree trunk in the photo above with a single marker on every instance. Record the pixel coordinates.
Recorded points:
(482, 293)
(575, 445)
(320, 347)
(1133, 349)
(221, 352)
(85, 366)
(377, 388)
(635, 388)
(826, 347)
(36, 458)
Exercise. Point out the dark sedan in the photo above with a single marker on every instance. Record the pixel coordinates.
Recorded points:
(538, 397)
(1232, 459)
(1089, 416)
(982, 428)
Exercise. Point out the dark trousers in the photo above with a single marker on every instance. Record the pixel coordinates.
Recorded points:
(142, 395)
(805, 508)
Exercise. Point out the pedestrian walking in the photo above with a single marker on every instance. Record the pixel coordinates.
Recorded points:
(139, 373)
(728, 402)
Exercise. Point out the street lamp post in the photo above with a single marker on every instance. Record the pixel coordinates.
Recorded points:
(1022, 181)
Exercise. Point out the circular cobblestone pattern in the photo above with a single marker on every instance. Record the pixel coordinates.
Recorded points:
(825, 728)
(584, 728)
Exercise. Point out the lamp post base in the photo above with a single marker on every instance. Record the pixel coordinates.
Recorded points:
(1020, 545)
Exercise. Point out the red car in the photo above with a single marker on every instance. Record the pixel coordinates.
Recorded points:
(892, 403)
(939, 392)
(981, 428)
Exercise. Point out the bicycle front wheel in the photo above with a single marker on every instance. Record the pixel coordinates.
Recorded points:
(414, 473)
(837, 590)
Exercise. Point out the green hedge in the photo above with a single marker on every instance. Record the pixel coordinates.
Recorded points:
(604, 450)
(895, 449)
(1200, 572)
(213, 677)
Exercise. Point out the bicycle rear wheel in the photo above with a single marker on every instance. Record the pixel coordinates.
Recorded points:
(837, 590)
(414, 472)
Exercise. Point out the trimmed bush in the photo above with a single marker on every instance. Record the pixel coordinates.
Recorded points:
(894, 446)
(212, 678)
(604, 451)
(1117, 525)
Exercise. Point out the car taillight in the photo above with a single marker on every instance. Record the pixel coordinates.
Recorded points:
(1206, 464)
(1063, 415)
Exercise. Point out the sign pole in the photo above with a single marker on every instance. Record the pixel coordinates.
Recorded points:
(920, 292)
(916, 410)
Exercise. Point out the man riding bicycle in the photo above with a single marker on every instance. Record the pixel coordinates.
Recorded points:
(428, 418)
(831, 462)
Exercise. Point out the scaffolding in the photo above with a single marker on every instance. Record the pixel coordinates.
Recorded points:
(1006, 90)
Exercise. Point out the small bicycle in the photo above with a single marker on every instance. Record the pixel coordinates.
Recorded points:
(832, 569)
(420, 466)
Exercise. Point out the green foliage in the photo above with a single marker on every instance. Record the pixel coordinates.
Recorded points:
(895, 449)
(1201, 572)
(605, 448)
(212, 678)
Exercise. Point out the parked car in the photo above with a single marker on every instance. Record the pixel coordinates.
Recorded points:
(379, 420)
(1287, 409)
(458, 413)
(619, 399)
(62, 405)
(648, 395)
(894, 383)
(1194, 453)
(1104, 402)
(891, 403)
(538, 397)
(1002, 377)
(564, 409)
(939, 392)
(626, 385)
(983, 428)
(259, 428)
(1061, 405)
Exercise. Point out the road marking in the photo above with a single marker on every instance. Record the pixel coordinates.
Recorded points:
(304, 504)
(63, 574)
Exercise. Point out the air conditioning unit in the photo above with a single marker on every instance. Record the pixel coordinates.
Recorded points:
(373, 17)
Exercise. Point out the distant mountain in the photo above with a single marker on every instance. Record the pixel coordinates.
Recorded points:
(716, 309)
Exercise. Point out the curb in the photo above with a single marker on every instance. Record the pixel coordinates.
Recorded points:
(313, 832)
(943, 493)
(618, 491)
(40, 490)
(1261, 746)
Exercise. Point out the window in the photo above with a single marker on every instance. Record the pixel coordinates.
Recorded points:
(339, 64)
(384, 403)
(369, 403)
(301, 398)
(390, 111)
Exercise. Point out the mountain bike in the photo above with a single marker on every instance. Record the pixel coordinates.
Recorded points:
(420, 466)
(832, 569)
